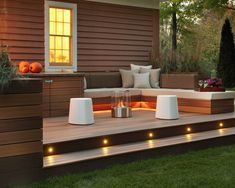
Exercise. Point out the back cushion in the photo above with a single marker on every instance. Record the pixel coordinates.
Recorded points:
(103, 80)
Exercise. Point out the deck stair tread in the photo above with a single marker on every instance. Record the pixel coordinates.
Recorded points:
(79, 156)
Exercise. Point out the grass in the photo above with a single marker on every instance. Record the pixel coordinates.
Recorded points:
(211, 168)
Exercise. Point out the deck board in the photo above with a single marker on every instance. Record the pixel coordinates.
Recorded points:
(58, 130)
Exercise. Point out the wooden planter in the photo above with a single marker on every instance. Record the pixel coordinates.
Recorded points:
(21, 132)
(179, 80)
(211, 89)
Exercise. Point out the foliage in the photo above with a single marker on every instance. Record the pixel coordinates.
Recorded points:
(7, 70)
(186, 63)
(226, 65)
(208, 168)
(214, 82)
(198, 33)
(218, 4)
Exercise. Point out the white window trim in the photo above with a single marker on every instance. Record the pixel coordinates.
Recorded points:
(72, 6)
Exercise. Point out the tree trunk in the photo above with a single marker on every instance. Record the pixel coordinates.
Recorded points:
(174, 39)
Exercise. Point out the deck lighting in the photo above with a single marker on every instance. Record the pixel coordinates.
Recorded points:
(50, 150)
(221, 124)
(189, 137)
(189, 129)
(151, 134)
(105, 141)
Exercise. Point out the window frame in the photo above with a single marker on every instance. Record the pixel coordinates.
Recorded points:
(73, 7)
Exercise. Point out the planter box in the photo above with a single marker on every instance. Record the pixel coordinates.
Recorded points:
(211, 89)
(21, 154)
(179, 80)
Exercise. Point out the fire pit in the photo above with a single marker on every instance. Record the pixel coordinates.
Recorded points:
(121, 104)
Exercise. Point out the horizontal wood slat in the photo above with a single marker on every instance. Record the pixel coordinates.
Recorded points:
(20, 99)
(20, 149)
(113, 47)
(111, 19)
(109, 11)
(24, 86)
(20, 112)
(115, 42)
(22, 124)
(20, 136)
(9, 164)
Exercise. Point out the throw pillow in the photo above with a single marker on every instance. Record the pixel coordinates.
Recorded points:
(141, 80)
(137, 67)
(127, 78)
(85, 83)
(154, 76)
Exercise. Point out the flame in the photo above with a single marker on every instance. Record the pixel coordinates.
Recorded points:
(121, 104)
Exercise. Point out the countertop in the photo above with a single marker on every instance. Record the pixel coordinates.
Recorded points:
(57, 74)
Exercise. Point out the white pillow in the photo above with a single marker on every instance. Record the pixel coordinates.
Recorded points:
(141, 80)
(154, 76)
(137, 67)
(85, 83)
(127, 78)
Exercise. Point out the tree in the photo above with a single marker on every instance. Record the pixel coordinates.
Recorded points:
(226, 65)
(218, 4)
(179, 15)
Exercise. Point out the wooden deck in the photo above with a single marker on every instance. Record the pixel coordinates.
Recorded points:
(82, 147)
(58, 130)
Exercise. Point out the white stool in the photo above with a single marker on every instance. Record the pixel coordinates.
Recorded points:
(167, 107)
(81, 111)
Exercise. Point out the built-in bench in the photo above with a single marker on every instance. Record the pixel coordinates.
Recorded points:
(100, 87)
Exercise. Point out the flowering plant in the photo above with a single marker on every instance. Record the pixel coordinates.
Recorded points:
(214, 82)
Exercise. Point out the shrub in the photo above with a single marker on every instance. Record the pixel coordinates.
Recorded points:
(7, 70)
(226, 65)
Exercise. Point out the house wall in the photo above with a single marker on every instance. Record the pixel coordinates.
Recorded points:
(109, 36)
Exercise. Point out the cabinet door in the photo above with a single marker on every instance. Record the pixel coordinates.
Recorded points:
(61, 90)
(46, 96)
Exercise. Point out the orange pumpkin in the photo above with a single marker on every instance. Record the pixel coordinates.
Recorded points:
(35, 67)
(24, 67)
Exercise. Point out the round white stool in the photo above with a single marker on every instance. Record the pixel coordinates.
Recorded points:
(167, 107)
(81, 111)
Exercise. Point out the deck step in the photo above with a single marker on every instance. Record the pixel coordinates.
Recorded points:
(63, 138)
(99, 153)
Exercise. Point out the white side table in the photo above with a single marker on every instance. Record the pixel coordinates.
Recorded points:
(81, 111)
(167, 107)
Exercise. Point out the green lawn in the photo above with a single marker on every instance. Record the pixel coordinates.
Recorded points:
(213, 167)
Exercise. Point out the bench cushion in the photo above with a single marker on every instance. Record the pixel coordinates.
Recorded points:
(189, 94)
(107, 92)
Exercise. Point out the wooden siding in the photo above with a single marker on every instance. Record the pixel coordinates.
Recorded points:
(23, 31)
(109, 36)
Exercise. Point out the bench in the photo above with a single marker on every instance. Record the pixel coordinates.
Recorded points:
(101, 85)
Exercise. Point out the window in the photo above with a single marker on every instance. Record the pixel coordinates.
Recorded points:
(60, 36)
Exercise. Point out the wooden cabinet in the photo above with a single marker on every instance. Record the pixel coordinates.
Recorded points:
(57, 92)
(58, 88)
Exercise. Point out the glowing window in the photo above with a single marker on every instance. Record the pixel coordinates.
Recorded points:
(60, 36)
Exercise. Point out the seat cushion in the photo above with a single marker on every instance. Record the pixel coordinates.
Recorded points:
(189, 94)
(107, 92)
